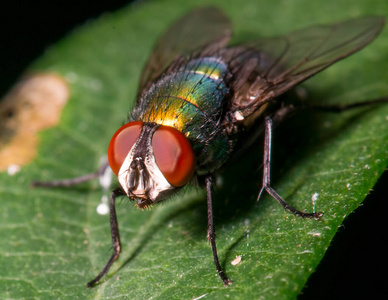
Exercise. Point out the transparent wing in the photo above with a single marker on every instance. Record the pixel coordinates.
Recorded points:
(268, 67)
(204, 28)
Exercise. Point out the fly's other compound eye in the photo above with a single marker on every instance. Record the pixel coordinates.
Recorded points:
(174, 155)
(121, 143)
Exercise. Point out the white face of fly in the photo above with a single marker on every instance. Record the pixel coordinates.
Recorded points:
(140, 176)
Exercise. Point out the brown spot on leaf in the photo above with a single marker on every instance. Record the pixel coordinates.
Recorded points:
(34, 104)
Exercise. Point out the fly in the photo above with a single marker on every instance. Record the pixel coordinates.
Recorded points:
(197, 96)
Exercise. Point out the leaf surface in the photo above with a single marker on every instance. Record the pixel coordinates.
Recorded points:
(53, 240)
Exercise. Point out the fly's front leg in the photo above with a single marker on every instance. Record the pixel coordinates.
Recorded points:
(115, 237)
(73, 181)
(267, 175)
(211, 234)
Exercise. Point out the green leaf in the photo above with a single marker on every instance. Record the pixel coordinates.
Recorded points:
(53, 240)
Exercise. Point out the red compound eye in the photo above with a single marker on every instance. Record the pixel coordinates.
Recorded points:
(174, 155)
(121, 143)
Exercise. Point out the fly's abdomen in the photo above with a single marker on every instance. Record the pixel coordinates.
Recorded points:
(194, 93)
(192, 100)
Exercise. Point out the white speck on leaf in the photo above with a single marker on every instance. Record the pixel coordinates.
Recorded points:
(314, 199)
(13, 169)
(315, 233)
(106, 179)
(236, 261)
(103, 208)
(200, 296)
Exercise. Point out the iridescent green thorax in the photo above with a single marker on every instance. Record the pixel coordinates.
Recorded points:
(192, 99)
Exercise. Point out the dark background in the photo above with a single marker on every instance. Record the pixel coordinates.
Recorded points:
(355, 264)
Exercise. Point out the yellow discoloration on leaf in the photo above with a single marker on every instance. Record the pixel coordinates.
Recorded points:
(34, 104)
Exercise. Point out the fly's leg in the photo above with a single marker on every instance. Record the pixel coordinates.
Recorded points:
(115, 237)
(211, 234)
(267, 175)
(284, 111)
(344, 107)
(73, 181)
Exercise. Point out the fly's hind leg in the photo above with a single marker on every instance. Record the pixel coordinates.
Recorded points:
(267, 177)
(344, 107)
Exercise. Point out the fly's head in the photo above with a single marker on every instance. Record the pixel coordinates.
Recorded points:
(151, 161)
